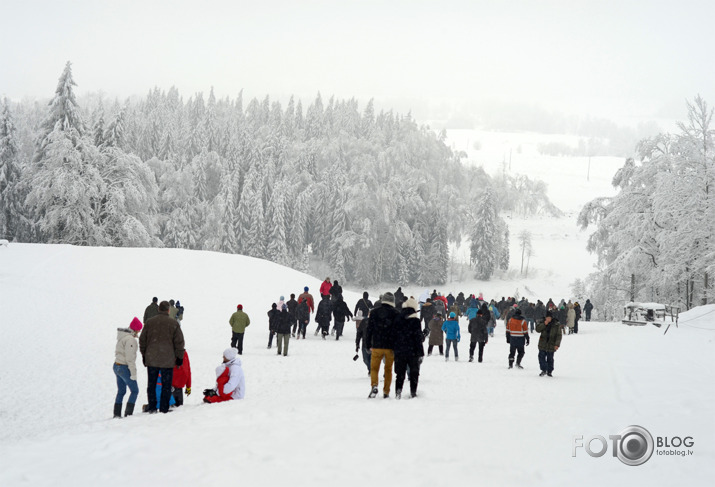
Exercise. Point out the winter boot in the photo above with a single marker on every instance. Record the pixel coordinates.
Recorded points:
(543, 373)
(373, 393)
(511, 363)
(518, 366)
(117, 410)
(413, 394)
(398, 394)
(471, 358)
(386, 395)
(129, 410)
(549, 374)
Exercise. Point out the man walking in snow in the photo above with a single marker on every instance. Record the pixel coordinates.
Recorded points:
(238, 321)
(549, 342)
(519, 333)
(152, 310)
(380, 338)
(161, 344)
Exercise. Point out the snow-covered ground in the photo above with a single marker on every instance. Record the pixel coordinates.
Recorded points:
(306, 419)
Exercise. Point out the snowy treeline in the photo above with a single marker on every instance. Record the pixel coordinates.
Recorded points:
(655, 239)
(373, 194)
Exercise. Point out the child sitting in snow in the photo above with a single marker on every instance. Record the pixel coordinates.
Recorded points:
(230, 381)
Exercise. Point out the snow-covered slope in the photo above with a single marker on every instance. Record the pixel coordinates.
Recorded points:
(306, 419)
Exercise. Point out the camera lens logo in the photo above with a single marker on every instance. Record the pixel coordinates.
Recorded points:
(635, 446)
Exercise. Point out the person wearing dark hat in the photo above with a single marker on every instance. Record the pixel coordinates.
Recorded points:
(152, 310)
(341, 312)
(362, 309)
(273, 317)
(549, 343)
(408, 347)
(238, 321)
(380, 338)
(125, 367)
(518, 330)
(478, 332)
(162, 347)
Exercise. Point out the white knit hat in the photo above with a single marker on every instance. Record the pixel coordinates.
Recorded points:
(230, 353)
(411, 303)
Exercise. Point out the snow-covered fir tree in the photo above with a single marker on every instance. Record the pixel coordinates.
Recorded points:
(484, 246)
(11, 195)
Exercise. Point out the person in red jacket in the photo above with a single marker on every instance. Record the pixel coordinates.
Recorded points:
(306, 296)
(218, 395)
(181, 380)
(325, 287)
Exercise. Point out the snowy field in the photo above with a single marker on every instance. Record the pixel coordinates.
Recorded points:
(559, 246)
(306, 419)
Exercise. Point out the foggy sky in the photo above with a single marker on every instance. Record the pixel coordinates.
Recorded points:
(635, 57)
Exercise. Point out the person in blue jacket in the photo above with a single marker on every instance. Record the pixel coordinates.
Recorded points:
(472, 310)
(451, 329)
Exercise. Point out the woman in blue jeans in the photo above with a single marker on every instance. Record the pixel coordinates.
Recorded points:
(451, 329)
(125, 367)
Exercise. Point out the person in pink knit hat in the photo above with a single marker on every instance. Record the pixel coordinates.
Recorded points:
(125, 367)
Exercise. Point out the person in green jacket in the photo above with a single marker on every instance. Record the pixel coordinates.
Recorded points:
(549, 342)
(238, 321)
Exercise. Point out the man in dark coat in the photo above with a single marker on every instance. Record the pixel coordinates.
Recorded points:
(341, 312)
(161, 344)
(272, 323)
(152, 310)
(363, 306)
(302, 314)
(408, 347)
(549, 342)
(283, 327)
(381, 341)
(292, 307)
(478, 332)
(399, 298)
(587, 308)
(426, 314)
(323, 316)
(335, 291)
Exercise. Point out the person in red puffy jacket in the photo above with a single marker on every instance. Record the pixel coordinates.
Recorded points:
(180, 380)
(325, 287)
(221, 381)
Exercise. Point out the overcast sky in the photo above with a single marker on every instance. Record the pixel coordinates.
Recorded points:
(627, 56)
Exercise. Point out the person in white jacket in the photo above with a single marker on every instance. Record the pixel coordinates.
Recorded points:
(230, 381)
(125, 367)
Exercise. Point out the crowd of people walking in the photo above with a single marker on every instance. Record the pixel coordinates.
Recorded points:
(391, 332)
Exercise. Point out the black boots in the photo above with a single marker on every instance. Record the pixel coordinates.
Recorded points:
(129, 410)
(118, 410)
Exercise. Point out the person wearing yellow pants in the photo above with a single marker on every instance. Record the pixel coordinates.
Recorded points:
(380, 339)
